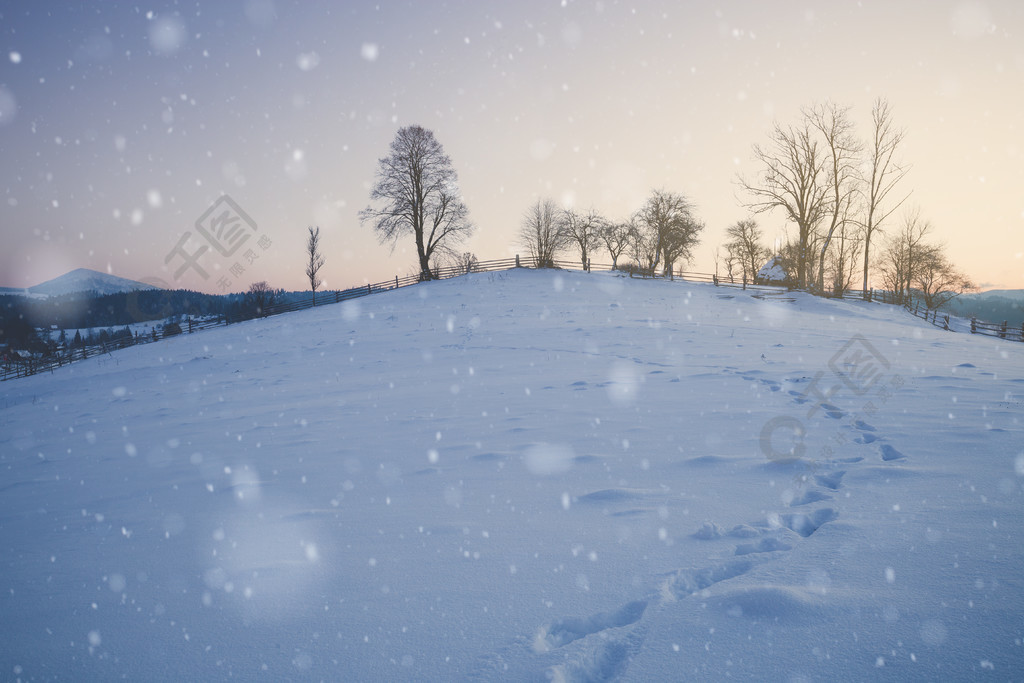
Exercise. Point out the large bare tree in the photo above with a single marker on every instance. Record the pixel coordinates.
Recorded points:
(791, 178)
(541, 233)
(417, 193)
(842, 156)
(315, 260)
(668, 231)
(885, 173)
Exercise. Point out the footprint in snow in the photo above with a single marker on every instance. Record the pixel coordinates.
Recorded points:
(831, 480)
(708, 531)
(561, 632)
(685, 582)
(889, 453)
(809, 497)
(765, 545)
(744, 531)
(807, 524)
(832, 411)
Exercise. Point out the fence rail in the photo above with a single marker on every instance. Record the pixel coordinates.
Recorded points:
(1001, 330)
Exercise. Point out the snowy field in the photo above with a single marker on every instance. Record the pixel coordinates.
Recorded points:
(522, 476)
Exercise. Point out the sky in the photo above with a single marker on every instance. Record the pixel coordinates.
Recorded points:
(126, 129)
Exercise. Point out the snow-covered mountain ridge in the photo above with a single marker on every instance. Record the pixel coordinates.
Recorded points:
(520, 476)
(82, 280)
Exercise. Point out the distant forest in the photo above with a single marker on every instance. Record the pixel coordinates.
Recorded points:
(21, 317)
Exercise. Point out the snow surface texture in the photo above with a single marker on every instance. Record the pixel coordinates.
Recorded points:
(522, 476)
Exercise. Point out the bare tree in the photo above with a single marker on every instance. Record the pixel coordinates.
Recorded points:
(615, 237)
(417, 192)
(792, 179)
(669, 231)
(903, 252)
(315, 262)
(729, 261)
(583, 229)
(886, 173)
(744, 246)
(730, 266)
(541, 233)
(466, 262)
(937, 279)
(260, 297)
(842, 151)
(643, 246)
(842, 258)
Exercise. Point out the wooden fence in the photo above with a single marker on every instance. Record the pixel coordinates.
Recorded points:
(1001, 330)
(943, 320)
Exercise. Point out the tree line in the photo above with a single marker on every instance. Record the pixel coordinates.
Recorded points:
(22, 318)
(839, 194)
(416, 195)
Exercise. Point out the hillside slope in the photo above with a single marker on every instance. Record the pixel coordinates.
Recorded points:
(521, 476)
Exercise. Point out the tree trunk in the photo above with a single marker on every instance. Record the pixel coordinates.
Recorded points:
(867, 251)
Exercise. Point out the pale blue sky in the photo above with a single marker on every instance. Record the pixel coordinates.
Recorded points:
(121, 124)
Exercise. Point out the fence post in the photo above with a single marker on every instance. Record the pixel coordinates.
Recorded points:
(974, 325)
(369, 289)
(945, 325)
(1002, 333)
(396, 282)
(1022, 331)
(517, 261)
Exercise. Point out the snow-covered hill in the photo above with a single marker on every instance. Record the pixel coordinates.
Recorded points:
(523, 476)
(86, 280)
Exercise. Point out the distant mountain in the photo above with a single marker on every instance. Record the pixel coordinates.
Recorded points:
(1004, 293)
(993, 306)
(85, 280)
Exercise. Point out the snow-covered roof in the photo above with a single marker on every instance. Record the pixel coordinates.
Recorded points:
(773, 271)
